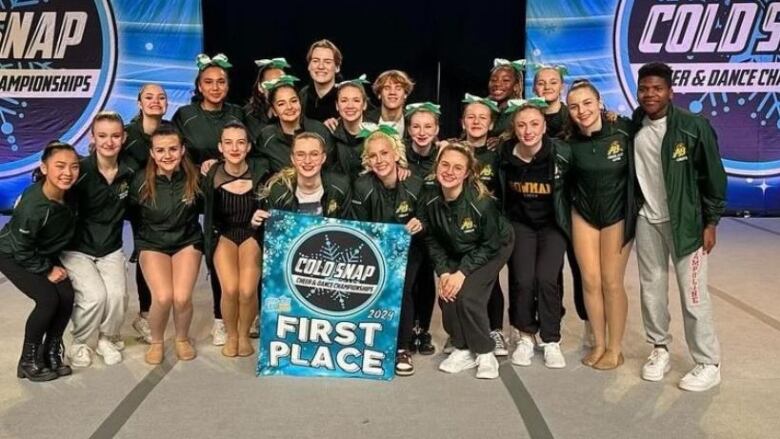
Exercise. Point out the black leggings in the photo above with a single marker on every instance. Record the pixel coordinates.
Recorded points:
(576, 276)
(533, 290)
(424, 290)
(495, 307)
(414, 275)
(53, 302)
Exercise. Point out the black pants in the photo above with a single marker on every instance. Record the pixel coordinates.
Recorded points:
(144, 293)
(535, 263)
(414, 275)
(495, 307)
(424, 291)
(576, 276)
(53, 302)
(466, 319)
(216, 288)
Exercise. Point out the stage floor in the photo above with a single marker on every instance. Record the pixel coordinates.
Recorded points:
(214, 396)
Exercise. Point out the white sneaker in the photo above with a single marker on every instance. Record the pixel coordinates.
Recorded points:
(80, 355)
(458, 361)
(588, 339)
(109, 352)
(218, 333)
(254, 330)
(448, 347)
(700, 378)
(553, 357)
(524, 351)
(487, 366)
(141, 326)
(500, 349)
(657, 365)
(117, 341)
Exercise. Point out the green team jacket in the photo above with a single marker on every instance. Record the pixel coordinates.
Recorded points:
(372, 201)
(135, 151)
(349, 152)
(463, 234)
(693, 175)
(255, 122)
(258, 169)
(561, 203)
(168, 222)
(599, 176)
(275, 146)
(421, 166)
(336, 200)
(101, 207)
(38, 230)
(488, 164)
(201, 129)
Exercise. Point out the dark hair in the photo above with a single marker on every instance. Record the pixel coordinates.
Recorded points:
(167, 129)
(569, 127)
(234, 123)
(197, 96)
(272, 93)
(140, 115)
(659, 69)
(48, 151)
(259, 102)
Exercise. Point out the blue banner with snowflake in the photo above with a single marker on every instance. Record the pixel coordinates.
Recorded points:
(726, 59)
(61, 62)
(331, 296)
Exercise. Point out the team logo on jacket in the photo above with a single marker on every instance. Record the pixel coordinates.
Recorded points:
(123, 190)
(57, 58)
(335, 270)
(680, 152)
(403, 209)
(486, 172)
(333, 206)
(467, 225)
(615, 151)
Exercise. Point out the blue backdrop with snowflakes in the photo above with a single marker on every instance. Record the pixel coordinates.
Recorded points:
(726, 58)
(61, 62)
(331, 296)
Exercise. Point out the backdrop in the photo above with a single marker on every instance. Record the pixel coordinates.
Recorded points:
(63, 61)
(727, 59)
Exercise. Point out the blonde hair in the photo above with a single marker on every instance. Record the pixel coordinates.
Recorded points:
(395, 144)
(105, 115)
(287, 176)
(472, 166)
(393, 75)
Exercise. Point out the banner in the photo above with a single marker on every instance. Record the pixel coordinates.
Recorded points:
(331, 296)
(726, 58)
(61, 62)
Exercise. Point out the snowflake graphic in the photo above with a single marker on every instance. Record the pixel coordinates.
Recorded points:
(767, 107)
(332, 252)
(12, 110)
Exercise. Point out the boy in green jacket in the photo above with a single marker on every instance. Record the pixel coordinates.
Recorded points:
(680, 173)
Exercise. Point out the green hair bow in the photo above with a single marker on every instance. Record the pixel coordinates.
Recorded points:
(518, 64)
(360, 80)
(422, 106)
(513, 104)
(203, 61)
(369, 128)
(472, 99)
(274, 63)
(282, 80)
(560, 68)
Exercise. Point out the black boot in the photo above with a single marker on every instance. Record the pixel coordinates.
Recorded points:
(31, 366)
(53, 356)
(426, 345)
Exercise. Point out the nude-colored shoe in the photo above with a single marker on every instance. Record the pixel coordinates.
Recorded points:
(607, 363)
(230, 349)
(593, 357)
(155, 354)
(245, 348)
(184, 350)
